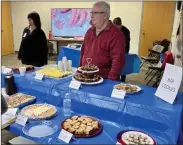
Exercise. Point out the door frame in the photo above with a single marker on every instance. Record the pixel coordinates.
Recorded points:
(11, 24)
(142, 13)
(140, 35)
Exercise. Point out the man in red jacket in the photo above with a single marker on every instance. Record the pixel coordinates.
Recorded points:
(104, 43)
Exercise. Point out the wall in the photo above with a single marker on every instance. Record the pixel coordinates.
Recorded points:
(130, 12)
(174, 38)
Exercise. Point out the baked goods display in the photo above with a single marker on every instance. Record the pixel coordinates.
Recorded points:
(127, 87)
(134, 137)
(89, 68)
(28, 68)
(19, 99)
(88, 74)
(39, 111)
(87, 77)
(54, 72)
(82, 126)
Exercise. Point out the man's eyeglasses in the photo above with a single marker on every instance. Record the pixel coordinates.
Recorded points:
(95, 13)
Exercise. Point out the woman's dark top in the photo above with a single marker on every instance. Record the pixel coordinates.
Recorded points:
(33, 48)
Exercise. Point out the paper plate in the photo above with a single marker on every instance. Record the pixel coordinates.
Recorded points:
(138, 89)
(92, 83)
(123, 137)
(40, 129)
(39, 118)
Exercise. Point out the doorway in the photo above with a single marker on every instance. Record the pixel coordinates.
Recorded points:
(157, 23)
(6, 29)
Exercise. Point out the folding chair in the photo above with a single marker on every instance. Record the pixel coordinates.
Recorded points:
(168, 58)
(154, 56)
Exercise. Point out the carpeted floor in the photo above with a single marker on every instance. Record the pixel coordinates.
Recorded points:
(11, 60)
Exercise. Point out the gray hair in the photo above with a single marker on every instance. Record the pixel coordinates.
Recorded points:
(104, 6)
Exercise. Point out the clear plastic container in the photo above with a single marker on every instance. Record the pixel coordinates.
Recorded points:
(67, 105)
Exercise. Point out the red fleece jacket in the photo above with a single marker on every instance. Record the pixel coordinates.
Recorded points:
(107, 51)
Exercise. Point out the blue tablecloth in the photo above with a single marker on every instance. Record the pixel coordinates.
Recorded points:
(142, 111)
(132, 64)
(29, 81)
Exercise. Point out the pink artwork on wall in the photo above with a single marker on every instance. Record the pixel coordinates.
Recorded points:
(59, 24)
(53, 13)
(64, 10)
(82, 18)
(78, 16)
(70, 21)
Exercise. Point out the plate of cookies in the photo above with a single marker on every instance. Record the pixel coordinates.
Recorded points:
(82, 126)
(134, 137)
(130, 89)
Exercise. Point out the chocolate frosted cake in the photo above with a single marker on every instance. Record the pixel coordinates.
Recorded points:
(88, 74)
(87, 77)
(89, 68)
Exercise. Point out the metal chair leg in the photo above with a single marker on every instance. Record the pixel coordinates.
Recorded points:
(142, 63)
(149, 74)
(148, 71)
(158, 80)
(153, 76)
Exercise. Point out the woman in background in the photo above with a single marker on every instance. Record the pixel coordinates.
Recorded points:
(118, 22)
(33, 48)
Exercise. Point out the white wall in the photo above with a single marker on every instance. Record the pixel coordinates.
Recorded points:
(130, 12)
(174, 32)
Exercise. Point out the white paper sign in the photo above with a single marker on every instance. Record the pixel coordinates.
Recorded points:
(39, 76)
(75, 85)
(120, 94)
(65, 136)
(6, 118)
(22, 120)
(170, 83)
(12, 111)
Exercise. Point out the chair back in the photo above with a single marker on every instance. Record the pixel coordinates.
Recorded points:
(166, 43)
(168, 58)
(158, 48)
